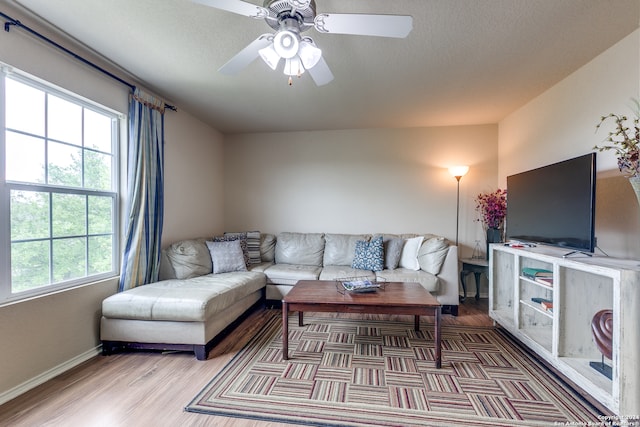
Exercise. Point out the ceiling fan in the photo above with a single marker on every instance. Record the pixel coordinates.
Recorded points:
(291, 18)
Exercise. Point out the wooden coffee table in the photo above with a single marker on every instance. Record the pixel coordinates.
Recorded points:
(396, 298)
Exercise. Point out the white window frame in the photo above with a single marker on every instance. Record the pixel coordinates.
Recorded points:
(117, 119)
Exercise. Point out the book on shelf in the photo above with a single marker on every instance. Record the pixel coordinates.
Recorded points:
(547, 281)
(532, 273)
(538, 300)
(547, 305)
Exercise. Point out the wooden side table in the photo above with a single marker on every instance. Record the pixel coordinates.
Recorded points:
(476, 266)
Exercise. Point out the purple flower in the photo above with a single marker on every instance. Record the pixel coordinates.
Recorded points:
(492, 208)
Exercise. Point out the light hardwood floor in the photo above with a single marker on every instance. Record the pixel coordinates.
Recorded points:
(152, 389)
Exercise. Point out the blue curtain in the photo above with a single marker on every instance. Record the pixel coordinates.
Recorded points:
(145, 182)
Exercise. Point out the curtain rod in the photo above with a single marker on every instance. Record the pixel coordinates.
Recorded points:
(11, 21)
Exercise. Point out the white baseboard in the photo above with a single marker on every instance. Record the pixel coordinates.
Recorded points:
(46, 376)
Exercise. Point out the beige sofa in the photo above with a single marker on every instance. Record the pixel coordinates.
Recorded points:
(325, 256)
(190, 306)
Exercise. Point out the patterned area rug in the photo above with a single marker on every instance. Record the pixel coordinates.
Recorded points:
(347, 372)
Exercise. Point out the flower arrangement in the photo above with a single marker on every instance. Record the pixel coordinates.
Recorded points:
(492, 208)
(625, 140)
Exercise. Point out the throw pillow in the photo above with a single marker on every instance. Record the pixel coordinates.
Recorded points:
(242, 237)
(409, 255)
(369, 255)
(432, 253)
(392, 252)
(253, 244)
(226, 256)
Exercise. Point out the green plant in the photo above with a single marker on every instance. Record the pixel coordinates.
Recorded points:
(624, 140)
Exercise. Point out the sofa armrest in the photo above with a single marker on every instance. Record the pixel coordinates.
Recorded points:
(449, 278)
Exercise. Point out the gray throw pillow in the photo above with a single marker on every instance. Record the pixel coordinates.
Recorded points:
(242, 237)
(392, 252)
(226, 256)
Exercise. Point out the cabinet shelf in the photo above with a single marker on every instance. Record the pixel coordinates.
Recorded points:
(580, 288)
(537, 282)
(537, 307)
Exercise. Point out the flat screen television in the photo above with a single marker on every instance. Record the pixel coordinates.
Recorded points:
(554, 204)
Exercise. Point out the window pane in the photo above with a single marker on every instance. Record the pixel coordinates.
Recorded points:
(97, 131)
(68, 215)
(24, 108)
(100, 254)
(69, 259)
(29, 215)
(65, 165)
(64, 120)
(100, 215)
(97, 173)
(29, 265)
(25, 158)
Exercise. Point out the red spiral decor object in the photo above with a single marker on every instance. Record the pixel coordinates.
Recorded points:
(602, 328)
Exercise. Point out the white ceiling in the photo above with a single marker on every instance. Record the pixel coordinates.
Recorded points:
(465, 62)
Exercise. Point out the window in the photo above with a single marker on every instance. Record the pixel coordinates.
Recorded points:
(59, 189)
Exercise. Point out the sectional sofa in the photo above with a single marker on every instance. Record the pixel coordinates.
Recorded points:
(206, 285)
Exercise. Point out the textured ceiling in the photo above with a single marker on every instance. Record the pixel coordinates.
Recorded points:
(465, 62)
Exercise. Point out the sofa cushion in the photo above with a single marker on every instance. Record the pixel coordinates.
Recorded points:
(334, 272)
(267, 247)
(242, 237)
(339, 249)
(289, 274)
(193, 300)
(226, 256)
(392, 251)
(409, 255)
(369, 255)
(189, 258)
(300, 248)
(429, 281)
(432, 254)
(253, 244)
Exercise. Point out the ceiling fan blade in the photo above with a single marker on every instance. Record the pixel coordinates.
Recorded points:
(246, 56)
(320, 73)
(236, 6)
(398, 26)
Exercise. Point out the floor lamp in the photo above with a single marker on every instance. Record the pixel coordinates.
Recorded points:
(458, 172)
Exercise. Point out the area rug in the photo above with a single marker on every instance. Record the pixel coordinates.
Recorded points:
(347, 372)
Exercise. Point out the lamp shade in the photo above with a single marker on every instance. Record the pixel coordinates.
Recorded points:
(293, 67)
(458, 171)
(309, 54)
(286, 43)
(270, 56)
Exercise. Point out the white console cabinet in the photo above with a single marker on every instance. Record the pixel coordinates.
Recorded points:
(581, 287)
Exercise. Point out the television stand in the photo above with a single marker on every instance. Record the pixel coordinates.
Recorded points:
(560, 333)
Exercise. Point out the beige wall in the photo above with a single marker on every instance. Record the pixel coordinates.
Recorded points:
(359, 181)
(560, 124)
(194, 166)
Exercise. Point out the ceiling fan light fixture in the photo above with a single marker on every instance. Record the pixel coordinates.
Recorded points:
(293, 67)
(286, 43)
(270, 56)
(309, 54)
